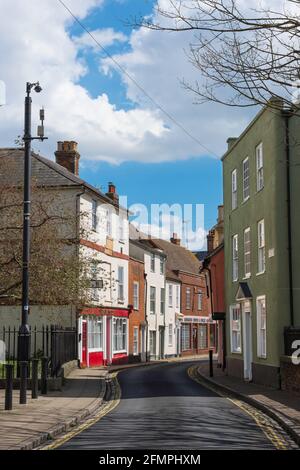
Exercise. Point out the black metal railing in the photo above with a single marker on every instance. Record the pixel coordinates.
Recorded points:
(56, 343)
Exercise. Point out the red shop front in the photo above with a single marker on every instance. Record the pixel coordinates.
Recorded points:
(103, 336)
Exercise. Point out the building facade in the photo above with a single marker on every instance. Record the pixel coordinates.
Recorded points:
(197, 328)
(137, 318)
(262, 263)
(213, 266)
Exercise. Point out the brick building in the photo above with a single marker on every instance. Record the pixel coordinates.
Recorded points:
(198, 330)
(136, 296)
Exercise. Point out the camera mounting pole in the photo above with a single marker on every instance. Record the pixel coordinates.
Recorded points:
(24, 331)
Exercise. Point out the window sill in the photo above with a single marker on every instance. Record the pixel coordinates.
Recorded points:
(259, 190)
(95, 350)
(246, 277)
(237, 352)
(245, 200)
(260, 273)
(122, 351)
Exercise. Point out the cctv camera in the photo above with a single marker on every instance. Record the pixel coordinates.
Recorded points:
(37, 88)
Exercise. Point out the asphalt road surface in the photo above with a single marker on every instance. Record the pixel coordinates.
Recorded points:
(161, 407)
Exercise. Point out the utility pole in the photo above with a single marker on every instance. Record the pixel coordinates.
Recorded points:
(24, 330)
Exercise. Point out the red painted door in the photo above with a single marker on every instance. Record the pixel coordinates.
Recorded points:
(84, 343)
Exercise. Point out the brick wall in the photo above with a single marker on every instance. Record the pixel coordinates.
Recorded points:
(136, 317)
(290, 375)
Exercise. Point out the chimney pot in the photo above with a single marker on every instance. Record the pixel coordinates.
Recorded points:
(112, 194)
(175, 240)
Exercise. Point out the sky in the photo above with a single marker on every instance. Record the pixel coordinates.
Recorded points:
(126, 134)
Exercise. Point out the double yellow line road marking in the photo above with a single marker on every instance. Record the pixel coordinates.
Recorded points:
(264, 423)
(104, 410)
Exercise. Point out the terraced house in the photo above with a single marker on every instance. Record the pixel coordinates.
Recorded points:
(262, 230)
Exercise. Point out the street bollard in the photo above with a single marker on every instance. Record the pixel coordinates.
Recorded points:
(35, 378)
(211, 370)
(44, 376)
(23, 382)
(9, 386)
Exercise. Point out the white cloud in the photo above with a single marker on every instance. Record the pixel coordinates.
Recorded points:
(35, 45)
(106, 37)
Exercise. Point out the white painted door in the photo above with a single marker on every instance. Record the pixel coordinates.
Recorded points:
(247, 340)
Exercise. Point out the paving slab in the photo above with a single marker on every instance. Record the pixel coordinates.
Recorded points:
(30, 425)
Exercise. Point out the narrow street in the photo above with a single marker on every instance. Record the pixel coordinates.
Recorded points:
(161, 407)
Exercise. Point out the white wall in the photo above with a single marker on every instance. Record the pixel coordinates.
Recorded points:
(172, 308)
(157, 280)
(106, 235)
(109, 223)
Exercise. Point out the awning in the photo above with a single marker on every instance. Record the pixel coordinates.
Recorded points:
(243, 292)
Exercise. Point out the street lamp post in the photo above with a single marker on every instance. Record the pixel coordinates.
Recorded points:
(24, 331)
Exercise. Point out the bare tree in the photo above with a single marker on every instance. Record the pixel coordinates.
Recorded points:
(245, 56)
(60, 273)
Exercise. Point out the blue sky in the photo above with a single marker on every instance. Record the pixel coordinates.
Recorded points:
(122, 135)
(193, 181)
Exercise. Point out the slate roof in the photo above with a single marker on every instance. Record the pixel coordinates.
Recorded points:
(46, 172)
(178, 258)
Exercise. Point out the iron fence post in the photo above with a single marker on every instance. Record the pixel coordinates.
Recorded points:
(44, 376)
(9, 386)
(35, 378)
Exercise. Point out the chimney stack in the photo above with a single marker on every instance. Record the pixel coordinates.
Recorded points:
(112, 194)
(175, 240)
(230, 142)
(210, 241)
(67, 156)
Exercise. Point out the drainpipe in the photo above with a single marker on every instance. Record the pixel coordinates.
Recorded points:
(146, 315)
(289, 216)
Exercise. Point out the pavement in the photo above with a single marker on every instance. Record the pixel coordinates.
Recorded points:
(162, 406)
(28, 426)
(282, 406)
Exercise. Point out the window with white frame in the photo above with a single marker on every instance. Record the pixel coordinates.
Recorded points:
(152, 263)
(246, 179)
(188, 298)
(94, 214)
(152, 340)
(234, 189)
(121, 229)
(247, 252)
(177, 296)
(202, 338)
(185, 336)
(136, 295)
(121, 283)
(170, 287)
(135, 340)
(95, 333)
(261, 326)
(120, 334)
(235, 326)
(170, 334)
(259, 167)
(199, 300)
(152, 299)
(235, 258)
(94, 279)
(108, 223)
(162, 265)
(162, 300)
(261, 246)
